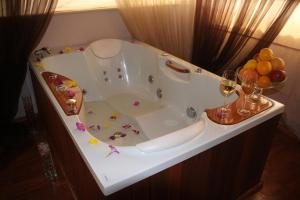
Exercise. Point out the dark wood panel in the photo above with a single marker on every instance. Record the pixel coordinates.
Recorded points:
(64, 150)
(222, 172)
(256, 146)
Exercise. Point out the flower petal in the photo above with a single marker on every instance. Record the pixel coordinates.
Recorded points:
(80, 126)
(93, 141)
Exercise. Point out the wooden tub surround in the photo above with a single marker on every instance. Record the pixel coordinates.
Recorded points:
(225, 171)
(233, 117)
(68, 86)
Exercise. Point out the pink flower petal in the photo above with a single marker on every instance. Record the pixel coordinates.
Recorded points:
(126, 126)
(70, 94)
(80, 126)
(136, 131)
(113, 149)
(43, 148)
(136, 103)
(58, 82)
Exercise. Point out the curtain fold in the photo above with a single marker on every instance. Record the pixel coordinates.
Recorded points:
(22, 25)
(165, 24)
(224, 27)
(274, 30)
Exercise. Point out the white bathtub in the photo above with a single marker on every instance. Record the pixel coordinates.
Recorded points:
(132, 81)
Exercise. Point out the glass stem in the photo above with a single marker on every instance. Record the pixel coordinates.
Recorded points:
(244, 103)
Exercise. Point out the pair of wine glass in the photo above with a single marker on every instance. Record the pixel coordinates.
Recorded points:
(228, 86)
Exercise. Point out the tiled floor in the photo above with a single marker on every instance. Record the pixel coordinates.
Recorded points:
(281, 176)
(22, 177)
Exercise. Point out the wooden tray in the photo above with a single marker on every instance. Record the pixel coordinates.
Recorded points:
(60, 96)
(233, 117)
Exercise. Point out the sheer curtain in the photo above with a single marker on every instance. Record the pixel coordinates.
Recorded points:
(22, 25)
(224, 27)
(165, 24)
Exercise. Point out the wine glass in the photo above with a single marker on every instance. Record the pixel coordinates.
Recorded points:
(247, 84)
(227, 88)
(256, 97)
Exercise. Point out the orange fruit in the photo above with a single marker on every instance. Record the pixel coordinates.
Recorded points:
(248, 74)
(277, 63)
(265, 54)
(241, 72)
(264, 81)
(251, 64)
(264, 67)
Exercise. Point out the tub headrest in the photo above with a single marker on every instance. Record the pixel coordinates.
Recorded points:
(106, 48)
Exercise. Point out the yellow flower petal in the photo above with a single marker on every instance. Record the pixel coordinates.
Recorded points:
(70, 83)
(114, 114)
(93, 141)
(39, 64)
(106, 125)
(68, 50)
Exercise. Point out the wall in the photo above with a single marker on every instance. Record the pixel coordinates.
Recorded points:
(289, 94)
(68, 29)
(84, 27)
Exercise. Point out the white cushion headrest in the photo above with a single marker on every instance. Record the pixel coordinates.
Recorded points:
(106, 48)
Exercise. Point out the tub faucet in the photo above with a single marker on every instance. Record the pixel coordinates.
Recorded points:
(42, 53)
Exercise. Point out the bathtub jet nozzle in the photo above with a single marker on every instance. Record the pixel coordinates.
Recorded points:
(159, 93)
(191, 112)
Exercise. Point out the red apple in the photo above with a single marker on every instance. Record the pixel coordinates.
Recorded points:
(277, 75)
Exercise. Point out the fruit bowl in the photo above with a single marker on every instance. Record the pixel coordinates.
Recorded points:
(257, 90)
(263, 71)
(270, 85)
(276, 84)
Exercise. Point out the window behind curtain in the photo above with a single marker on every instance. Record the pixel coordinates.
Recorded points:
(289, 35)
(77, 5)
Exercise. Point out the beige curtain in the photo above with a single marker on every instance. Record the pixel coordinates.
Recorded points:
(223, 29)
(165, 24)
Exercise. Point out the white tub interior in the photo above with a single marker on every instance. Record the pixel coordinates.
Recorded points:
(115, 75)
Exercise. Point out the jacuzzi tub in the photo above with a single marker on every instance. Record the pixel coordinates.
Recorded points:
(164, 103)
(126, 80)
